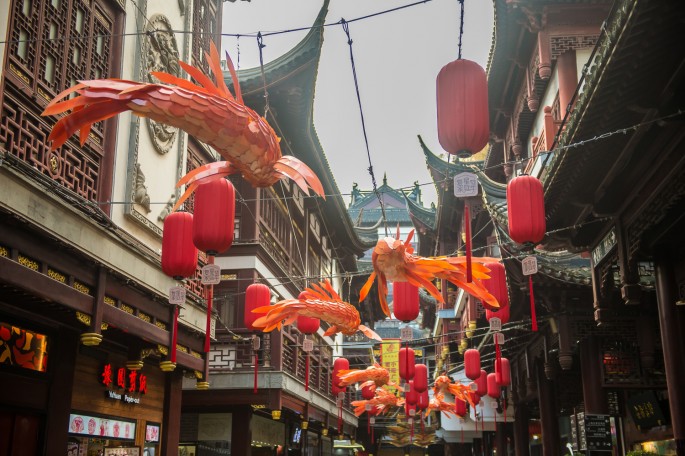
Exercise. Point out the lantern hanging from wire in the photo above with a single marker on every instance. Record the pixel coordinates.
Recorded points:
(526, 219)
(503, 314)
(472, 363)
(214, 216)
(496, 285)
(179, 260)
(462, 106)
(503, 372)
(256, 295)
(460, 407)
(405, 301)
(482, 383)
(368, 392)
(423, 400)
(407, 363)
(420, 377)
(307, 326)
(493, 388)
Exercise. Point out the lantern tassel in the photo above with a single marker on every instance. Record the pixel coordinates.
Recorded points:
(467, 232)
(340, 416)
(210, 298)
(532, 304)
(372, 439)
(256, 370)
(306, 375)
(498, 357)
(368, 422)
(174, 336)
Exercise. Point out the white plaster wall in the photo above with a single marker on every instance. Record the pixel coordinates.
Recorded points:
(160, 170)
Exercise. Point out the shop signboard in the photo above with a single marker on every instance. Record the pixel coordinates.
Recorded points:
(92, 426)
(645, 410)
(390, 351)
(122, 384)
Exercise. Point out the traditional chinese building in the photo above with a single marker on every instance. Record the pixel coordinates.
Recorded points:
(84, 317)
(605, 140)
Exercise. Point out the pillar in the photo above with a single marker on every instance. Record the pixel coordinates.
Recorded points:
(551, 441)
(59, 402)
(171, 422)
(567, 73)
(671, 322)
(521, 443)
(501, 439)
(241, 432)
(591, 369)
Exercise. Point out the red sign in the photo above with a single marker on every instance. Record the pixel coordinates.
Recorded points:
(136, 382)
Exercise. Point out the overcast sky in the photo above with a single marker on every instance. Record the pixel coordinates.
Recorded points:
(397, 56)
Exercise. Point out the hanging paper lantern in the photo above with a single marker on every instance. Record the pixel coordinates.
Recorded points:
(405, 301)
(503, 314)
(526, 210)
(459, 407)
(179, 254)
(423, 400)
(214, 216)
(411, 396)
(482, 383)
(367, 392)
(497, 285)
(493, 387)
(471, 363)
(503, 372)
(407, 366)
(256, 295)
(462, 101)
(338, 365)
(420, 378)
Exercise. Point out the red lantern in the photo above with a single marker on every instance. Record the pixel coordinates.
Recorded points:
(367, 392)
(459, 407)
(411, 396)
(420, 378)
(471, 363)
(256, 295)
(423, 401)
(214, 216)
(482, 383)
(497, 285)
(179, 254)
(502, 314)
(526, 210)
(503, 372)
(407, 360)
(405, 301)
(493, 387)
(339, 364)
(462, 101)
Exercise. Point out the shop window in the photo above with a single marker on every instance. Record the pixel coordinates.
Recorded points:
(23, 348)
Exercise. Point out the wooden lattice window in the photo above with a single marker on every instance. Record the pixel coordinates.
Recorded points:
(53, 44)
(206, 20)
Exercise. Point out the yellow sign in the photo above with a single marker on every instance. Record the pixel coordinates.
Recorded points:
(390, 358)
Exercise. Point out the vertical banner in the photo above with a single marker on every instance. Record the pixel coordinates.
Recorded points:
(390, 351)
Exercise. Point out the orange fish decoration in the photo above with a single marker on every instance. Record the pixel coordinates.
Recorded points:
(394, 260)
(373, 376)
(439, 404)
(380, 403)
(320, 301)
(208, 111)
(444, 384)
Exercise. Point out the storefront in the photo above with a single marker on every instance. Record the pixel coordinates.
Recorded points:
(115, 410)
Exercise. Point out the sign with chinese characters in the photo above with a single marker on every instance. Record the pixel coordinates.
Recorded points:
(177, 295)
(465, 184)
(211, 274)
(123, 385)
(406, 333)
(499, 338)
(598, 432)
(390, 351)
(152, 433)
(307, 345)
(495, 324)
(529, 265)
(605, 246)
(646, 411)
(103, 427)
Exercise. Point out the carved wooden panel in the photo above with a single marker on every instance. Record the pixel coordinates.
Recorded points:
(206, 20)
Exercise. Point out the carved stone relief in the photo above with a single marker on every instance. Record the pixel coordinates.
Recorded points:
(160, 53)
(140, 195)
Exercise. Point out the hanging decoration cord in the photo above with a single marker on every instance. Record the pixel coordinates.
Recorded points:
(461, 25)
(346, 29)
(261, 45)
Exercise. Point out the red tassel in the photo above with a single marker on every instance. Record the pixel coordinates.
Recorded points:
(532, 303)
(411, 433)
(372, 439)
(498, 356)
(174, 337)
(462, 433)
(210, 297)
(467, 231)
(256, 370)
(368, 422)
(306, 375)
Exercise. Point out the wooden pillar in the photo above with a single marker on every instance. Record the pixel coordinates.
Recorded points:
(477, 447)
(521, 438)
(591, 369)
(551, 441)
(171, 422)
(568, 79)
(501, 439)
(59, 402)
(672, 323)
(241, 432)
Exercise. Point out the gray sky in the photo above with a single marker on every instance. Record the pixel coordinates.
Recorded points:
(397, 56)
